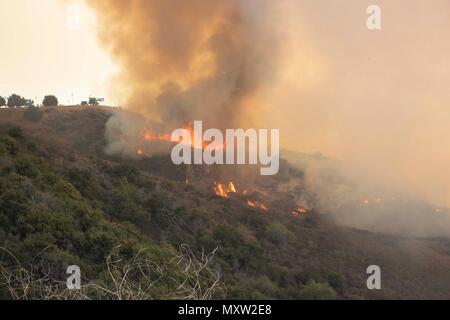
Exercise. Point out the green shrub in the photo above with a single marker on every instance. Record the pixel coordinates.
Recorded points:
(32, 114)
(8, 145)
(50, 101)
(16, 132)
(317, 291)
(278, 233)
(336, 280)
(26, 166)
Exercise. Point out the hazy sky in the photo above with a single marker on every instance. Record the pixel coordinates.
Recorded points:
(43, 52)
(378, 100)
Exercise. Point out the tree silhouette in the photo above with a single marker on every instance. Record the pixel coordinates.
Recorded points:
(15, 100)
(50, 101)
(2, 102)
(93, 101)
(29, 103)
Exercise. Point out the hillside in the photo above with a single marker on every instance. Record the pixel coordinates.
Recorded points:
(63, 201)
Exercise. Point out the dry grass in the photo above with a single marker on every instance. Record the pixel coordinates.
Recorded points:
(134, 279)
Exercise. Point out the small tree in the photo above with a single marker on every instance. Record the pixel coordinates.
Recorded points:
(15, 100)
(50, 101)
(29, 103)
(93, 101)
(2, 102)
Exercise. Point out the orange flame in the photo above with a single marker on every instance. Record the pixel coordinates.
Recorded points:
(299, 211)
(219, 190)
(256, 204)
(231, 187)
(223, 191)
(251, 203)
(148, 135)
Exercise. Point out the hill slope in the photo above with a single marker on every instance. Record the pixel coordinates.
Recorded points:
(63, 202)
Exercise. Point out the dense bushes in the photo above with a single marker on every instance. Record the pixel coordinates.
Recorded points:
(32, 114)
(278, 233)
(317, 291)
(77, 210)
(39, 208)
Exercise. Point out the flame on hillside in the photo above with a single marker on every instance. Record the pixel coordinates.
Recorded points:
(299, 211)
(196, 140)
(257, 204)
(148, 135)
(225, 190)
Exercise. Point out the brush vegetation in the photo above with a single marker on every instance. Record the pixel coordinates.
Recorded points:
(64, 202)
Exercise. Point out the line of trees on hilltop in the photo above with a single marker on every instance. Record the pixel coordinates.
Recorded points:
(15, 100)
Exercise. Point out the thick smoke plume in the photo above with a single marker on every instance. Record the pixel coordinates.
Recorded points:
(187, 60)
(375, 100)
(378, 101)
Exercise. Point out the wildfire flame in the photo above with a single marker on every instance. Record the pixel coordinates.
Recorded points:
(148, 135)
(223, 191)
(299, 211)
(251, 203)
(256, 204)
(231, 187)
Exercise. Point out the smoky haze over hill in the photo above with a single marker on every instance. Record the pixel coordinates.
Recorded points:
(374, 100)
